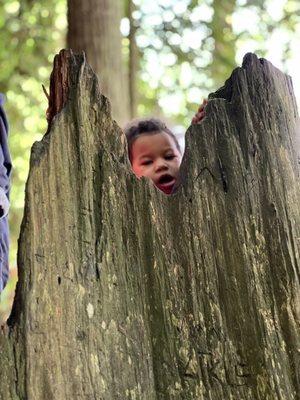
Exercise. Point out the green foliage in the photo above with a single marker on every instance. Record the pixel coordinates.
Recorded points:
(175, 40)
(272, 27)
(189, 47)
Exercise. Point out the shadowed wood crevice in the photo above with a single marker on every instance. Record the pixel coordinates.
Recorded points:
(59, 83)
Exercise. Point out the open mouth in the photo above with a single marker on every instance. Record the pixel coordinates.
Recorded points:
(165, 179)
(166, 183)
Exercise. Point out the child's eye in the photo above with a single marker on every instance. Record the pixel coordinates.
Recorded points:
(147, 162)
(169, 157)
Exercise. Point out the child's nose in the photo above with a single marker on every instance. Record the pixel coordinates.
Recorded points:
(161, 165)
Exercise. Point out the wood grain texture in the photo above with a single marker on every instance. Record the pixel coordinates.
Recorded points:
(125, 293)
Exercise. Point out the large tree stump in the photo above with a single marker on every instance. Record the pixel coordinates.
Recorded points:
(126, 293)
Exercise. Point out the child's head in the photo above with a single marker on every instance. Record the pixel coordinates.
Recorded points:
(154, 152)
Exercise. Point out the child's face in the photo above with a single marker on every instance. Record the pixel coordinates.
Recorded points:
(156, 157)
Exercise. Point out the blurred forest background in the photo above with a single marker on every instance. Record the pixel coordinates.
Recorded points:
(159, 57)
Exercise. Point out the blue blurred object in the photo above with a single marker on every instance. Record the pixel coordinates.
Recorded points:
(5, 171)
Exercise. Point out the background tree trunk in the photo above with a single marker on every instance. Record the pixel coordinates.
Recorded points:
(125, 293)
(223, 55)
(133, 58)
(94, 26)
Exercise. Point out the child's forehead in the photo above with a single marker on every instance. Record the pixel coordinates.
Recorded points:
(153, 140)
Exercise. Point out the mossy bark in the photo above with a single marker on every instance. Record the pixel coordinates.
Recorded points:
(125, 293)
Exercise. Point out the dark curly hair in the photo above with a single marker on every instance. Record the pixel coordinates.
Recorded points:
(150, 126)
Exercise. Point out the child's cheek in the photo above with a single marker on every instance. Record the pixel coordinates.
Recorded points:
(138, 171)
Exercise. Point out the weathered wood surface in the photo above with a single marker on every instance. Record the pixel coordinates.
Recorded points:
(125, 293)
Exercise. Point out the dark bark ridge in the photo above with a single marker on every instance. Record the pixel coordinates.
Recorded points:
(59, 84)
(125, 293)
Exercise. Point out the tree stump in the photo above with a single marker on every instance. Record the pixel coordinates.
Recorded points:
(126, 293)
